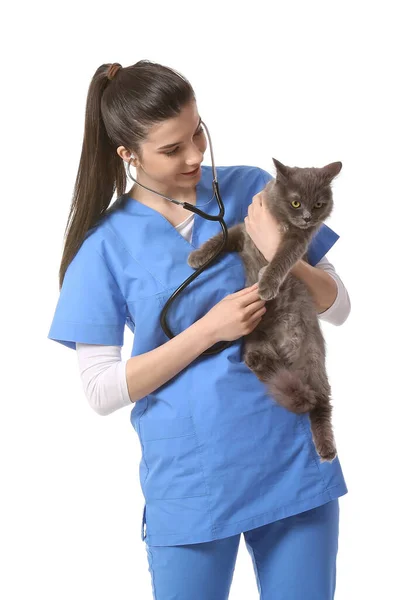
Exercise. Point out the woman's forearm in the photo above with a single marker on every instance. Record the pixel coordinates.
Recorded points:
(320, 284)
(146, 372)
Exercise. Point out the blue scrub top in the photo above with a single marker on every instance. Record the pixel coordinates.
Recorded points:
(218, 455)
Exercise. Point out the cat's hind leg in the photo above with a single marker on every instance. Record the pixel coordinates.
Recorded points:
(289, 389)
(286, 385)
(321, 429)
(263, 364)
(260, 355)
(320, 416)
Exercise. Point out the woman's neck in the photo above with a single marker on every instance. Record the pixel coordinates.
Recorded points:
(157, 202)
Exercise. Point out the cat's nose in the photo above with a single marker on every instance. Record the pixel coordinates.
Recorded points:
(307, 219)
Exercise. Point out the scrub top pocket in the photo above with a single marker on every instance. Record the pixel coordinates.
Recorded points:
(171, 450)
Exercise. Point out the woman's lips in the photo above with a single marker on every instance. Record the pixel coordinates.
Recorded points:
(195, 172)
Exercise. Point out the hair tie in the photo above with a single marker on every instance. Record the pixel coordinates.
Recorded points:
(112, 70)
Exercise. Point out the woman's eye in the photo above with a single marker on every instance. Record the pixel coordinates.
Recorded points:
(177, 148)
(172, 152)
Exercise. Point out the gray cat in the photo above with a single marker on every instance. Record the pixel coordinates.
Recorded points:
(287, 348)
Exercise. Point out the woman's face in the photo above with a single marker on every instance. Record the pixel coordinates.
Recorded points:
(165, 167)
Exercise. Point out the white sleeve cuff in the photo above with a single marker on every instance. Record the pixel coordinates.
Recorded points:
(103, 375)
(339, 311)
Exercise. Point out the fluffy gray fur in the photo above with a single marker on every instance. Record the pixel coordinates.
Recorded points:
(287, 348)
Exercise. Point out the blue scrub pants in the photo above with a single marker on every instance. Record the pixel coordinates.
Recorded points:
(293, 558)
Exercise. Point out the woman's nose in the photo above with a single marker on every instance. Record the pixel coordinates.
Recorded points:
(195, 158)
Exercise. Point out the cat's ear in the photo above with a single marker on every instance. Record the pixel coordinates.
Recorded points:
(332, 170)
(282, 171)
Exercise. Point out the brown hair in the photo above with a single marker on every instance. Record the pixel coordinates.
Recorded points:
(122, 105)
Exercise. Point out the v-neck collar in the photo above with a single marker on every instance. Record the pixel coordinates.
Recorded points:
(161, 250)
(186, 220)
(203, 200)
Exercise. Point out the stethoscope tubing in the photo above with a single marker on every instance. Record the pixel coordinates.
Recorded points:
(216, 348)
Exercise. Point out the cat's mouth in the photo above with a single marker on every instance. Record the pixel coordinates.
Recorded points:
(304, 225)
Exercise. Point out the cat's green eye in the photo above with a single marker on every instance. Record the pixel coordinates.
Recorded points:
(318, 205)
(296, 204)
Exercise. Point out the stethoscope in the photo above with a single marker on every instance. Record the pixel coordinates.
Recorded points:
(220, 345)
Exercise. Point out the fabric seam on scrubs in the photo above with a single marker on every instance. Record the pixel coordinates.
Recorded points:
(200, 278)
(110, 228)
(141, 440)
(113, 277)
(201, 462)
(151, 566)
(241, 206)
(214, 535)
(220, 524)
(313, 451)
(85, 323)
(257, 570)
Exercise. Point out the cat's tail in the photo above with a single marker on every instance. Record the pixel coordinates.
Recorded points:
(291, 392)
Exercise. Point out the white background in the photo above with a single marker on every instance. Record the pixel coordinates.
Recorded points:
(308, 83)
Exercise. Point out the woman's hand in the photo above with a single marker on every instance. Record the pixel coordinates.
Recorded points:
(262, 227)
(235, 315)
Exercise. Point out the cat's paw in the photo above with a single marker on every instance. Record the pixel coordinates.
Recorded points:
(268, 286)
(196, 258)
(326, 451)
(253, 360)
(259, 364)
(268, 291)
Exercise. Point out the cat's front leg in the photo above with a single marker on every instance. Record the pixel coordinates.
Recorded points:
(268, 286)
(206, 251)
(272, 276)
(199, 257)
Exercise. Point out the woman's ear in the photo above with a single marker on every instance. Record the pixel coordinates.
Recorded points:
(126, 155)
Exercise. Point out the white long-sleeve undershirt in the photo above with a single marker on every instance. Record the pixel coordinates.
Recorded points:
(103, 372)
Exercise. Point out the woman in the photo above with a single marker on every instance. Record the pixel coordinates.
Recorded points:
(219, 456)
